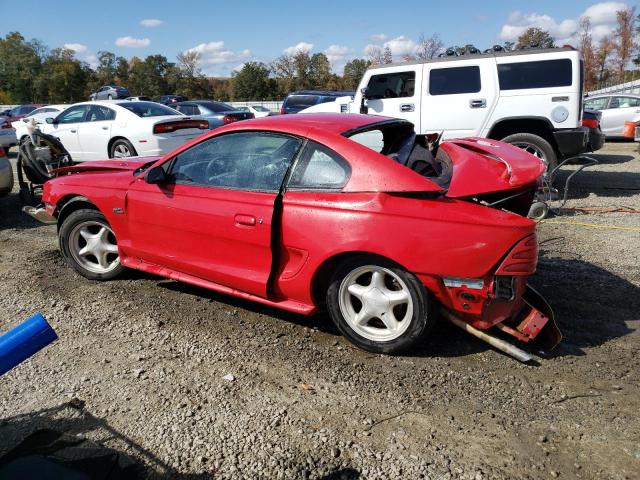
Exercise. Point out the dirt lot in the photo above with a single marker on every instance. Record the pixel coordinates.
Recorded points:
(148, 357)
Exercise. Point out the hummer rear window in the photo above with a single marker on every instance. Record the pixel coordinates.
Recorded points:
(540, 74)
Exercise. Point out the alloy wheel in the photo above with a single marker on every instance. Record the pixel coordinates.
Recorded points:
(94, 247)
(376, 303)
(532, 149)
(121, 151)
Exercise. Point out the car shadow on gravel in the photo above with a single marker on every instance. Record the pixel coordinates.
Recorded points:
(12, 216)
(610, 158)
(603, 184)
(72, 419)
(320, 321)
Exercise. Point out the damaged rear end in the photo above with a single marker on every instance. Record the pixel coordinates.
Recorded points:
(497, 175)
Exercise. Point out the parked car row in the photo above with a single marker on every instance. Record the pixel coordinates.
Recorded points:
(616, 110)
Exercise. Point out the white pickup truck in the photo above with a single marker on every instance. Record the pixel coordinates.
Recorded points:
(530, 98)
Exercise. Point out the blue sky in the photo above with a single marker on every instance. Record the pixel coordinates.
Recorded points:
(228, 33)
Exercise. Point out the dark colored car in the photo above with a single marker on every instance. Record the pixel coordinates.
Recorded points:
(297, 101)
(110, 92)
(170, 99)
(19, 112)
(591, 119)
(217, 113)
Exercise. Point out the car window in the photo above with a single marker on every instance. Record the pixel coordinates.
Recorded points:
(624, 102)
(148, 109)
(454, 80)
(259, 108)
(373, 139)
(242, 109)
(392, 85)
(98, 113)
(244, 161)
(319, 168)
(596, 103)
(187, 109)
(73, 114)
(540, 74)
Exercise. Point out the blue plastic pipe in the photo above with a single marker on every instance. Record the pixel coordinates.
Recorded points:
(26, 339)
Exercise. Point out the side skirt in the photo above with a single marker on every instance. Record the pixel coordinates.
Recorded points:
(289, 305)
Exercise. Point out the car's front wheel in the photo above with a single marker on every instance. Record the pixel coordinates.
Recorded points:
(379, 306)
(122, 148)
(89, 245)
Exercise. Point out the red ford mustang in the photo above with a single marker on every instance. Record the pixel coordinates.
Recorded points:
(300, 212)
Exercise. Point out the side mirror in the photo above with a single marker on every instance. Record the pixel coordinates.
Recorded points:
(365, 91)
(50, 120)
(155, 175)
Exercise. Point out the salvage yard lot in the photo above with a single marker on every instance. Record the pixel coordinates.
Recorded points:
(148, 357)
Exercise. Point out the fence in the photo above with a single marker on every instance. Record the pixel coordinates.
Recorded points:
(628, 87)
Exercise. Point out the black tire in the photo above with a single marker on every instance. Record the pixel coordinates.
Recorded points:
(109, 97)
(70, 225)
(121, 144)
(538, 143)
(420, 322)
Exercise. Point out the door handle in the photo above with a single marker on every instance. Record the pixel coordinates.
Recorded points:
(245, 220)
(105, 128)
(407, 107)
(478, 103)
(73, 131)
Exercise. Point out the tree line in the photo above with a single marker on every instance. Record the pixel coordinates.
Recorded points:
(30, 72)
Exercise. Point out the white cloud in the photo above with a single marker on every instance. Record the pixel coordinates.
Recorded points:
(214, 55)
(131, 42)
(83, 53)
(601, 15)
(300, 47)
(151, 22)
(378, 38)
(400, 46)
(76, 47)
(336, 53)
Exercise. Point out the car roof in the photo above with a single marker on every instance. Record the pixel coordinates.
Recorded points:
(301, 123)
(327, 93)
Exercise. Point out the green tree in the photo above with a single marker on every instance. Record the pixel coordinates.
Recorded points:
(354, 71)
(20, 66)
(253, 82)
(64, 79)
(186, 78)
(536, 38)
(319, 73)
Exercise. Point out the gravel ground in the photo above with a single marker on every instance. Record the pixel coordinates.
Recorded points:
(198, 385)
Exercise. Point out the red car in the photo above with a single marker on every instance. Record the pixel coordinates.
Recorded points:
(303, 212)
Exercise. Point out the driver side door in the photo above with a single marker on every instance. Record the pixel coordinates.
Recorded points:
(66, 126)
(213, 216)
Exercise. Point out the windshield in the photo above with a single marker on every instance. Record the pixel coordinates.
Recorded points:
(260, 108)
(301, 100)
(148, 109)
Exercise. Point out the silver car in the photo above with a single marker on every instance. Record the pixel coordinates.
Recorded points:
(616, 108)
(6, 174)
(7, 133)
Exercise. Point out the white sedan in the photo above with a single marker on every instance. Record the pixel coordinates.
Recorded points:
(117, 129)
(39, 115)
(258, 110)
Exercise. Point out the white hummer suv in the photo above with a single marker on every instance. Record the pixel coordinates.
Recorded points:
(530, 98)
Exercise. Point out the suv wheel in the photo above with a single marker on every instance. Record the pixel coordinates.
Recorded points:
(379, 306)
(89, 245)
(535, 145)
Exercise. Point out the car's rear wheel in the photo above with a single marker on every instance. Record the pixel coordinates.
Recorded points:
(89, 245)
(379, 306)
(536, 146)
(122, 148)
(109, 97)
